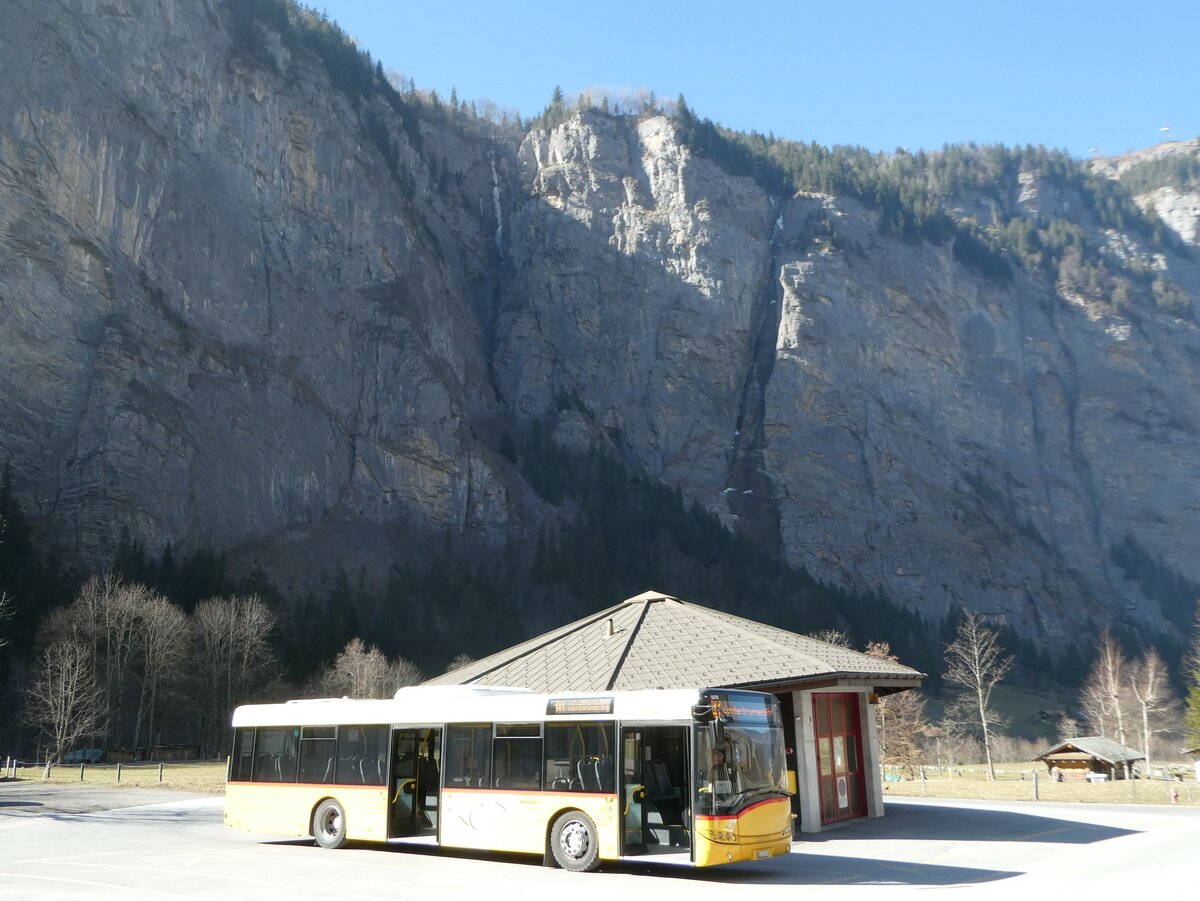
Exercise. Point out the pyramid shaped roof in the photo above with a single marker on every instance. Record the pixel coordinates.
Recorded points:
(654, 640)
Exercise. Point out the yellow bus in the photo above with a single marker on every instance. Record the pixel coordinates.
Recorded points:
(680, 776)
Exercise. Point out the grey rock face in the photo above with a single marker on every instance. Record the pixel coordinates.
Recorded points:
(222, 315)
(1178, 207)
(888, 418)
(225, 317)
(638, 275)
(952, 440)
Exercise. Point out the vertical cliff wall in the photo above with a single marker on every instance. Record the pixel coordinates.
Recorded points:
(224, 316)
(885, 415)
(242, 306)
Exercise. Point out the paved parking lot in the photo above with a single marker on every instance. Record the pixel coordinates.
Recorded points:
(62, 841)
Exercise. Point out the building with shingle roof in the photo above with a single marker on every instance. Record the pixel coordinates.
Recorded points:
(654, 640)
(1081, 758)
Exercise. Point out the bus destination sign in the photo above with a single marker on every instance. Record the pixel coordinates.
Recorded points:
(578, 706)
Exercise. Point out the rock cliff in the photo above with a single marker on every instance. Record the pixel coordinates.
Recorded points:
(231, 315)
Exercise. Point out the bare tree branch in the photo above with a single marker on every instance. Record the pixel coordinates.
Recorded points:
(1106, 698)
(899, 719)
(7, 609)
(974, 660)
(1150, 684)
(360, 671)
(63, 698)
(234, 659)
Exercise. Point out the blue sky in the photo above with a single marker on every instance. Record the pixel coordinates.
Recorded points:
(1101, 77)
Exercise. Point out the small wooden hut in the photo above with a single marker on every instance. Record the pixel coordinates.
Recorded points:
(1089, 758)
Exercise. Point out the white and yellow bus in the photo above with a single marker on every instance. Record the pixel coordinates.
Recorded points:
(682, 776)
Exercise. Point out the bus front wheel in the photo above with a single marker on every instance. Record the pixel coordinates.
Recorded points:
(329, 824)
(573, 842)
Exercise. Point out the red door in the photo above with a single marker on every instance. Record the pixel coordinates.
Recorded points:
(839, 757)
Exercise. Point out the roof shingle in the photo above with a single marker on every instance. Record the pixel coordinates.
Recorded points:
(657, 641)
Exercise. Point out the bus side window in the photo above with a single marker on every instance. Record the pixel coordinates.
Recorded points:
(517, 756)
(360, 749)
(579, 757)
(317, 747)
(275, 754)
(242, 763)
(467, 757)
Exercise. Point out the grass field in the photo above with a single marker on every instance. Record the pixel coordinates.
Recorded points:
(1022, 709)
(1015, 782)
(206, 777)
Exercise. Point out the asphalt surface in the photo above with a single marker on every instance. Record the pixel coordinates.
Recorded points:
(77, 842)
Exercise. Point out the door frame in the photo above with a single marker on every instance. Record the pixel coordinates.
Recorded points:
(827, 783)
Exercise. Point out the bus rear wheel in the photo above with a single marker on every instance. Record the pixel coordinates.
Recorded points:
(329, 824)
(573, 842)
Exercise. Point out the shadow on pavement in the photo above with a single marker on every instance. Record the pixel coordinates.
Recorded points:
(795, 869)
(929, 822)
(798, 868)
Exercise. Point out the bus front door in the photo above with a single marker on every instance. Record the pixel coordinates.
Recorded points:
(416, 782)
(654, 790)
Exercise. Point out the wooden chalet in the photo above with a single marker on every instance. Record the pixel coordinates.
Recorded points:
(1089, 758)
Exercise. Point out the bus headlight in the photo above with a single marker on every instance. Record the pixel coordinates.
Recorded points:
(722, 830)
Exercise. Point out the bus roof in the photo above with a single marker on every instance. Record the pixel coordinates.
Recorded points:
(431, 704)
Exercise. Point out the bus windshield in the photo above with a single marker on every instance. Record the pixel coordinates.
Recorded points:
(741, 762)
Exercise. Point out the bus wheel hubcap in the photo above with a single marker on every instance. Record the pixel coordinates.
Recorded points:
(575, 839)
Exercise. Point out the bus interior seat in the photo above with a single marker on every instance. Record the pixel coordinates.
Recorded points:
(428, 780)
(586, 775)
(658, 782)
(604, 774)
(664, 809)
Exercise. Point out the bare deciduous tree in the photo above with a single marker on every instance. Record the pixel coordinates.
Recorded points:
(459, 661)
(899, 719)
(164, 635)
(1150, 684)
(1191, 717)
(104, 618)
(1105, 697)
(63, 698)
(360, 671)
(7, 609)
(975, 660)
(834, 637)
(235, 659)
(1068, 726)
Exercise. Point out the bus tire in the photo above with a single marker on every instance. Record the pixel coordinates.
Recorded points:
(574, 842)
(329, 824)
